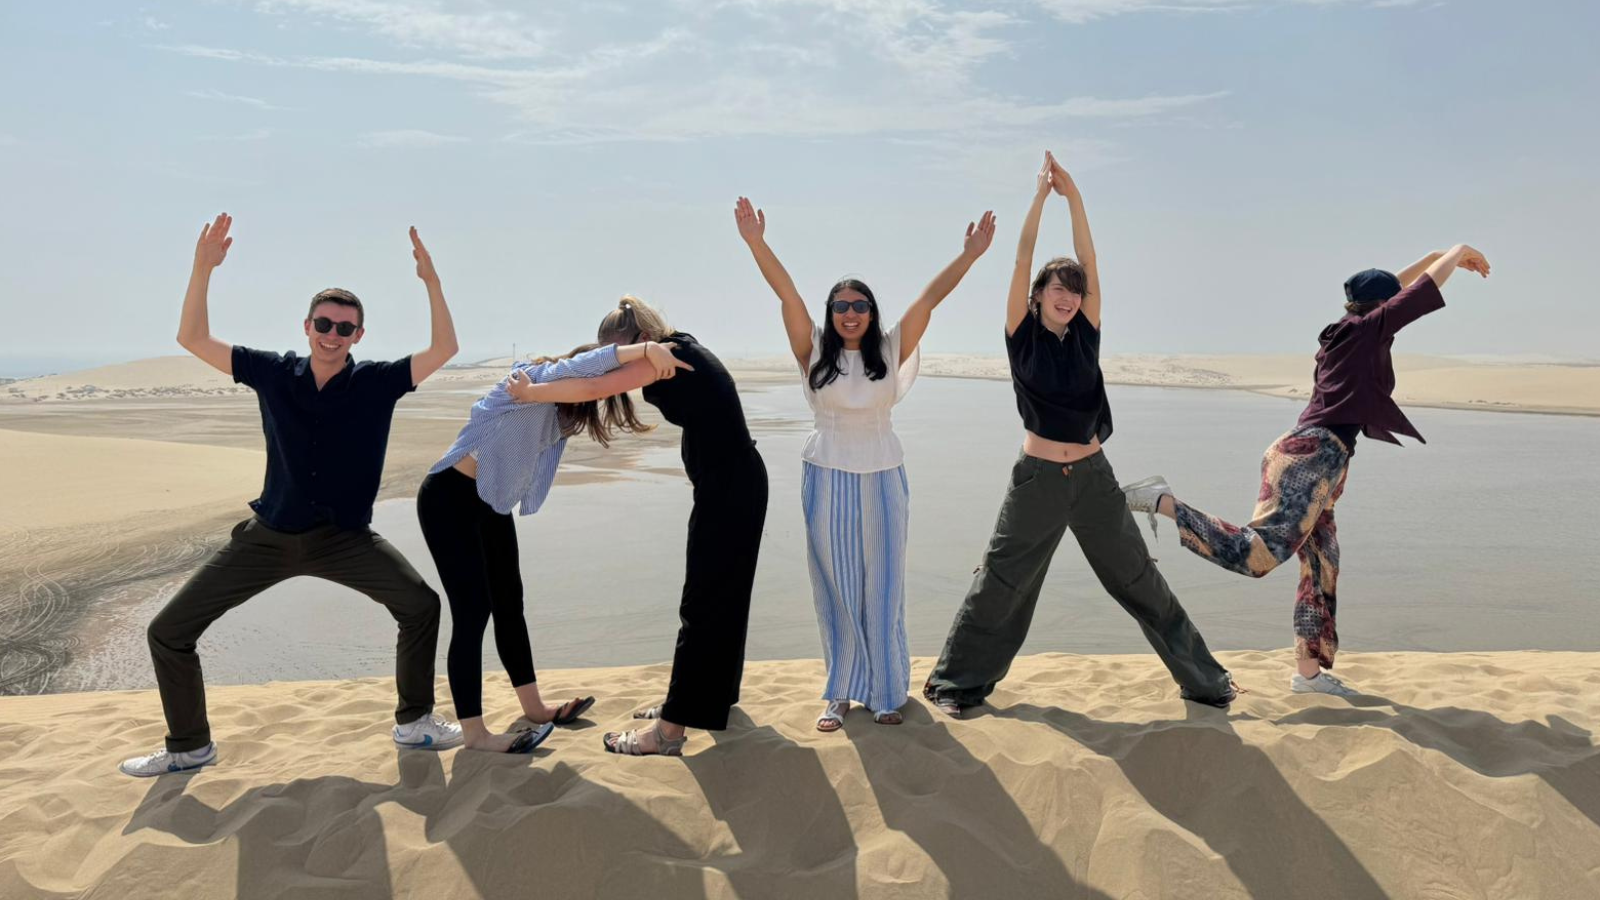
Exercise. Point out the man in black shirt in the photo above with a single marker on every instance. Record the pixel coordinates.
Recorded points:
(326, 421)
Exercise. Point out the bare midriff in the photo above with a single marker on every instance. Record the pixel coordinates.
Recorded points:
(1057, 451)
(468, 466)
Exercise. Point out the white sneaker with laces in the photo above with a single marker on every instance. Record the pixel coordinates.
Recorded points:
(1145, 495)
(1321, 683)
(431, 732)
(163, 762)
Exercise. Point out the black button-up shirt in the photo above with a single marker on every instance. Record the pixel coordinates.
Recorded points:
(1061, 393)
(325, 448)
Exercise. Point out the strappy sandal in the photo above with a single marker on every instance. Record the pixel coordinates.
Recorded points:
(626, 743)
(574, 708)
(832, 718)
(888, 717)
(653, 712)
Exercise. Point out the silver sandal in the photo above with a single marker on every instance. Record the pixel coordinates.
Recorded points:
(653, 712)
(833, 712)
(626, 743)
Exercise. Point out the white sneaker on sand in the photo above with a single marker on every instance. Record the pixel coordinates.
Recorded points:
(162, 762)
(1144, 496)
(431, 732)
(1321, 683)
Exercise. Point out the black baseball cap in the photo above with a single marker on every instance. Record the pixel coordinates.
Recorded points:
(1371, 286)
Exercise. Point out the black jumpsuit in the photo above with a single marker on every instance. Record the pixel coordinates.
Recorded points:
(730, 508)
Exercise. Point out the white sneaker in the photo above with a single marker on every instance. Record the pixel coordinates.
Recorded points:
(1144, 496)
(1321, 683)
(431, 732)
(162, 762)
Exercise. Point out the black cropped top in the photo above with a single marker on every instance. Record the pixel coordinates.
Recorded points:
(1060, 391)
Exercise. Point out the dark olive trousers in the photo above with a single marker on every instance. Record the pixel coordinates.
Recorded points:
(1046, 499)
(257, 557)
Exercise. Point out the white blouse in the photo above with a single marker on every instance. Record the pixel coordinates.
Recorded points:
(853, 431)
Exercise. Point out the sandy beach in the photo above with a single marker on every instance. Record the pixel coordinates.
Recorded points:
(1466, 776)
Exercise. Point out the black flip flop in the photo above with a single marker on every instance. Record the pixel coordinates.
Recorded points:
(580, 707)
(526, 741)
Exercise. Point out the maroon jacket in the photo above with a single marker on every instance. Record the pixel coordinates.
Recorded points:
(1355, 373)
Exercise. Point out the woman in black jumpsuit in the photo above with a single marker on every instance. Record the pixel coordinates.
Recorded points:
(730, 507)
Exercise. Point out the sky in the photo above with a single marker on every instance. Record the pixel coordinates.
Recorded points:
(1238, 159)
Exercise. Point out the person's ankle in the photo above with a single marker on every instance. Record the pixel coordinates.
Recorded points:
(670, 731)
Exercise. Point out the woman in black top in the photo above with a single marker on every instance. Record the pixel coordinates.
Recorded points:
(730, 508)
(1060, 481)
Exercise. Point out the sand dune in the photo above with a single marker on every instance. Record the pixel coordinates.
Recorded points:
(1423, 380)
(1473, 776)
(161, 376)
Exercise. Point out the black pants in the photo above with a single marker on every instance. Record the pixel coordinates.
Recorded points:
(730, 509)
(256, 558)
(475, 550)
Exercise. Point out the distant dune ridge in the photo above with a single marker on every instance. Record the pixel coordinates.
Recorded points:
(1450, 382)
(1469, 776)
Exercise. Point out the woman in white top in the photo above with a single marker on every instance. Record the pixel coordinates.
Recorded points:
(854, 487)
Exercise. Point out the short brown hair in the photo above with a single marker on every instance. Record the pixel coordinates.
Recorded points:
(1065, 271)
(341, 297)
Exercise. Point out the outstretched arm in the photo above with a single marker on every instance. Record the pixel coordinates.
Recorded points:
(1458, 257)
(1420, 298)
(1082, 240)
(796, 321)
(194, 328)
(632, 376)
(653, 359)
(1022, 273)
(1414, 271)
(443, 346)
(915, 321)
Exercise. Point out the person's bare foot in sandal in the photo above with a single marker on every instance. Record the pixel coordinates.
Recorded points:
(663, 739)
(476, 736)
(832, 718)
(888, 717)
(535, 710)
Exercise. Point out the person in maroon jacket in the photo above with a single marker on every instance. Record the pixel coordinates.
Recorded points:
(1303, 472)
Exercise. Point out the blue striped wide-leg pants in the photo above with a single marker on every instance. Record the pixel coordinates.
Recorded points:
(856, 535)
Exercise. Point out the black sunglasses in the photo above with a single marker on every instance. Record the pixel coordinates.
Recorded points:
(843, 306)
(323, 325)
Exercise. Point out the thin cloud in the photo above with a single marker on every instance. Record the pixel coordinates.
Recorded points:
(1081, 11)
(407, 137)
(258, 134)
(776, 68)
(213, 94)
(489, 34)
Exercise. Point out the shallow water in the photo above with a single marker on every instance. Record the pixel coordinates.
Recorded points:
(1479, 540)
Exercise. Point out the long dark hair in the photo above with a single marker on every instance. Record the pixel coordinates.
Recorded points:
(576, 418)
(827, 367)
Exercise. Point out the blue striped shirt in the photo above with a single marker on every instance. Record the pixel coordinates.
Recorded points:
(518, 445)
